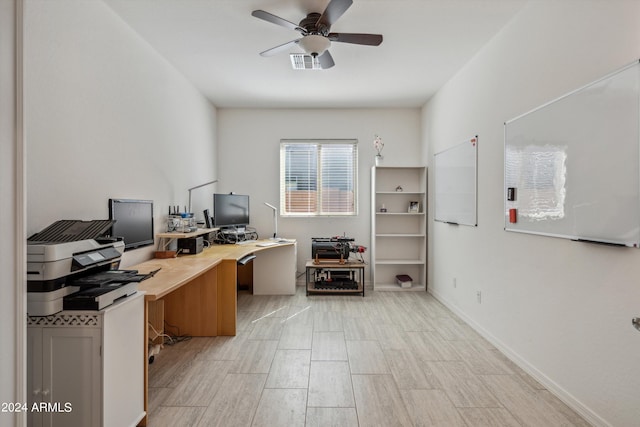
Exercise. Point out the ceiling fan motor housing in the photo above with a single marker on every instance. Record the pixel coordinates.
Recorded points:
(310, 25)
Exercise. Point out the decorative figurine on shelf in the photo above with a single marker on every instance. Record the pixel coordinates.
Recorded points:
(378, 145)
(399, 189)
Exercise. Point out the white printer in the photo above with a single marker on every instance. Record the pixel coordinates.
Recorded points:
(70, 257)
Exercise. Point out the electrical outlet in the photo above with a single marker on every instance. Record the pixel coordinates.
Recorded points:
(479, 296)
(455, 282)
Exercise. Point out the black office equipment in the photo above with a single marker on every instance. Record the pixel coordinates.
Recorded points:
(69, 256)
(330, 248)
(133, 221)
(70, 230)
(207, 219)
(334, 248)
(191, 245)
(230, 210)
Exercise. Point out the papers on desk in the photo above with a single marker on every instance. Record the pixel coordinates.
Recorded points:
(266, 243)
(245, 242)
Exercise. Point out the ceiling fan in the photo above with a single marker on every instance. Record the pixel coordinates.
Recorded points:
(316, 36)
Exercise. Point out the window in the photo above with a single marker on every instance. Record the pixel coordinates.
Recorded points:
(318, 177)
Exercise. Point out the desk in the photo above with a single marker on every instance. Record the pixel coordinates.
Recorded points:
(197, 293)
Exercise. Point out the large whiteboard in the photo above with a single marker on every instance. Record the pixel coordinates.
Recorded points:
(574, 164)
(456, 183)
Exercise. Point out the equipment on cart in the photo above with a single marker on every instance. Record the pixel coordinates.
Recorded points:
(334, 248)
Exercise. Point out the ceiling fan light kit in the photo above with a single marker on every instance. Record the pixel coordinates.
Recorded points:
(314, 44)
(316, 36)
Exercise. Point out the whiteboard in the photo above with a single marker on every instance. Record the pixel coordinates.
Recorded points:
(456, 184)
(574, 164)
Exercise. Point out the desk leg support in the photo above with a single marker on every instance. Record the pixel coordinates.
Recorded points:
(192, 309)
(227, 297)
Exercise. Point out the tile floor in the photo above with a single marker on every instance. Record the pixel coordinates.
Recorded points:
(389, 359)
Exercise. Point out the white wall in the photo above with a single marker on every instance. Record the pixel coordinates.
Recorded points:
(107, 116)
(562, 309)
(249, 161)
(12, 350)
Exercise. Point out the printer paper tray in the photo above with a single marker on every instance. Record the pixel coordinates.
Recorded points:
(100, 297)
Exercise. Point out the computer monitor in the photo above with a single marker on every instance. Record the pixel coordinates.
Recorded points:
(133, 222)
(230, 210)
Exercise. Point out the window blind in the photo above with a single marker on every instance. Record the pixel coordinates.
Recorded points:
(318, 177)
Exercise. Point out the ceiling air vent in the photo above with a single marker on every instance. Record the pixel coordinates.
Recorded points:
(301, 61)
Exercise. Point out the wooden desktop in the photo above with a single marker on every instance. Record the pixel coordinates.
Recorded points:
(198, 293)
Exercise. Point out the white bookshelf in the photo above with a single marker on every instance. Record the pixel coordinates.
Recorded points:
(398, 237)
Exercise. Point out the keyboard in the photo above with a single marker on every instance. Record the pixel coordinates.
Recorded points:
(264, 244)
(246, 242)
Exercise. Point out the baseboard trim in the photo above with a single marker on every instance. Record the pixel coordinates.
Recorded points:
(521, 362)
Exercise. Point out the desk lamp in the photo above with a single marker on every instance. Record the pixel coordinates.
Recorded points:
(198, 186)
(275, 220)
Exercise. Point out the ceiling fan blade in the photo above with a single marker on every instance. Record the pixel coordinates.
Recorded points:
(269, 17)
(356, 38)
(334, 10)
(326, 60)
(280, 48)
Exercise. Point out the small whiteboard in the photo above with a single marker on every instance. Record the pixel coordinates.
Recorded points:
(456, 184)
(572, 166)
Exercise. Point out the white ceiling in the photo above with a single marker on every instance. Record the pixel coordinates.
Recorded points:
(216, 45)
